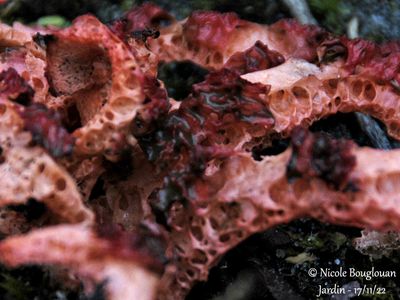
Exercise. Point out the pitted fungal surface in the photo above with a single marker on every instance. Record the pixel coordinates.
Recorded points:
(144, 194)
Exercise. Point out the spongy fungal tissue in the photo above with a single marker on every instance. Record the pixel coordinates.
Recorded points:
(144, 194)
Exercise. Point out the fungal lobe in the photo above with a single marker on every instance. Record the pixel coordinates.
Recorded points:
(318, 155)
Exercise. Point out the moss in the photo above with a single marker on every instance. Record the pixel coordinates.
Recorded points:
(14, 288)
(53, 20)
(300, 258)
(33, 283)
(332, 14)
(28, 11)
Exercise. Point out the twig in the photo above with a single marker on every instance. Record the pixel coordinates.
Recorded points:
(300, 10)
(352, 28)
(368, 125)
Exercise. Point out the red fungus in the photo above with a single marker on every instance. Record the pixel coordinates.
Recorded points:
(298, 40)
(210, 29)
(362, 57)
(47, 130)
(140, 18)
(318, 155)
(145, 247)
(258, 57)
(214, 194)
(14, 87)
